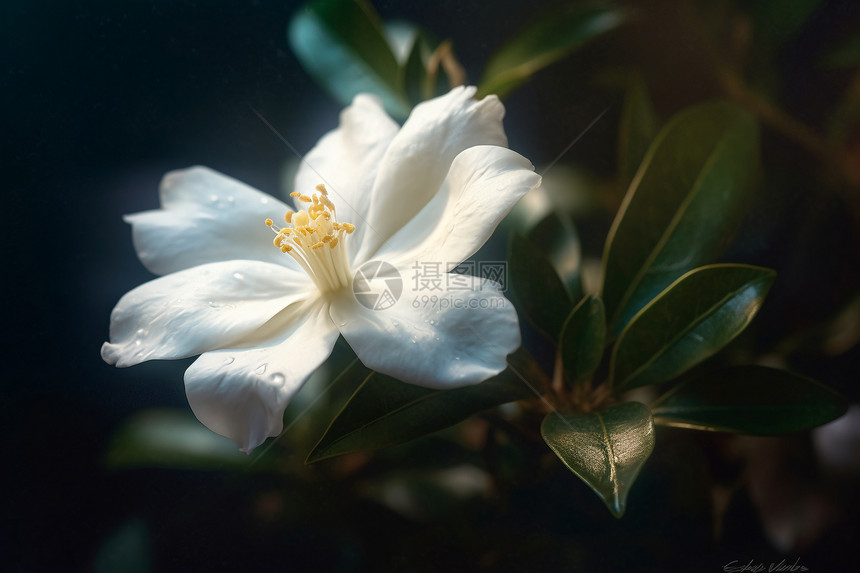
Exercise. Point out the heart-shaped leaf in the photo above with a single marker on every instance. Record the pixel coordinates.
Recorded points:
(749, 400)
(683, 206)
(582, 339)
(690, 321)
(342, 44)
(606, 449)
(384, 411)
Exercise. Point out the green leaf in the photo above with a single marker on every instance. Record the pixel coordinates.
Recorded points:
(545, 41)
(637, 128)
(847, 55)
(606, 449)
(776, 21)
(415, 72)
(171, 439)
(342, 44)
(384, 411)
(582, 339)
(749, 400)
(683, 206)
(556, 236)
(539, 290)
(690, 321)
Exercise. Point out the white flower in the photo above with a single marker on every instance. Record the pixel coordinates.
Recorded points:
(264, 318)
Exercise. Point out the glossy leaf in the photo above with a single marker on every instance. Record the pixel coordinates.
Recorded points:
(539, 290)
(582, 339)
(683, 206)
(606, 449)
(690, 321)
(637, 128)
(342, 44)
(545, 41)
(556, 237)
(384, 411)
(171, 439)
(749, 400)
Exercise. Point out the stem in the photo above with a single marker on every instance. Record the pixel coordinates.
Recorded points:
(771, 115)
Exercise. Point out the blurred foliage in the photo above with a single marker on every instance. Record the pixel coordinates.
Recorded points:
(726, 175)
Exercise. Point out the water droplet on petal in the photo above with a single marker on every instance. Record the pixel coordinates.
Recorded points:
(214, 304)
(261, 369)
(278, 379)
(229, 360)
(231, 199)
(239, 276)
(213, 198)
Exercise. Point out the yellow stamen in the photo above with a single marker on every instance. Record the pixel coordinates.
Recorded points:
(308, 231)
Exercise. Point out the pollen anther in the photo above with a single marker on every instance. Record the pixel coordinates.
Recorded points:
(308, 231)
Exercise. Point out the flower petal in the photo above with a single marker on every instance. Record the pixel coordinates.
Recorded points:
(347, 160)
(483, 185)
(459, 338)
(199, 309)
(242, 393)
(419, 157)
(206, 216)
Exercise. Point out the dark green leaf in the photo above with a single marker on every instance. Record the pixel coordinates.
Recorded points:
(749, 400)
(172, 439)
(543, 42)
(606, 450)
(684, 204)
(415, 72)
(582, 339)
(637, 128)
(847, 55)
(776, 21)
(383, 411)
(342, 44)
(539, 290)
(556, 236)
(690, 321)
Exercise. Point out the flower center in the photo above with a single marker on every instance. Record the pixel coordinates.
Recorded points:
(315, 240)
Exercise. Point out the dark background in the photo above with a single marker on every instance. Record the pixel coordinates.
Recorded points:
(100, 100)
